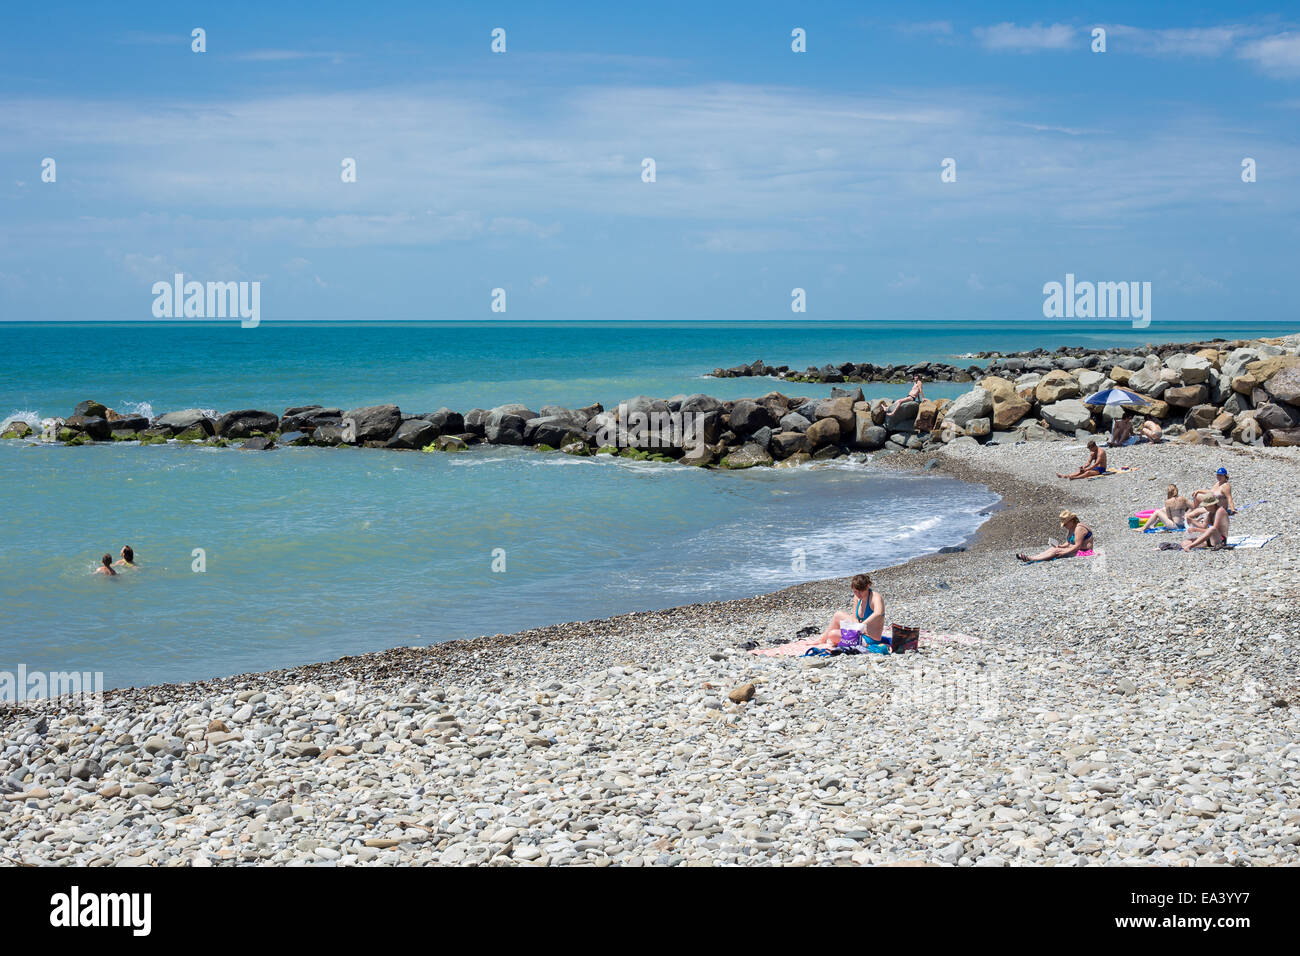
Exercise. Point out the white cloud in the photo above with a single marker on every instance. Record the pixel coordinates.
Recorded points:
(1276, 55)
(1009, 37)
(1206, 42)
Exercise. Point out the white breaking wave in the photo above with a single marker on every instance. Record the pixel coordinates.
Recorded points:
(31, 418)
(140, 408)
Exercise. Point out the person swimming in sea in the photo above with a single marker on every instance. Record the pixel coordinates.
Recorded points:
(868, 612)
(105, 565)
(128, 557)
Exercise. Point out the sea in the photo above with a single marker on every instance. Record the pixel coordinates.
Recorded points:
(257, 561)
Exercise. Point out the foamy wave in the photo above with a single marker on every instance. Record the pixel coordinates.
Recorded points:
(31, 418)
(138, 408)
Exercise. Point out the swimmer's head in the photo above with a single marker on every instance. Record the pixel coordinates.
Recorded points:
(127, 554)
(106, 560)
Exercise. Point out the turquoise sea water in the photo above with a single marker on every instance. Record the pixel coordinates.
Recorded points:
(316, 553)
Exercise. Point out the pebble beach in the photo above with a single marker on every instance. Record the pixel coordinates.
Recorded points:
(1137, 707)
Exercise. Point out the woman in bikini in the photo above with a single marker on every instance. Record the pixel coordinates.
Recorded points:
(1222, 486)
(1080, 541)
(1174, 513)
(868, 612)
(915, 395)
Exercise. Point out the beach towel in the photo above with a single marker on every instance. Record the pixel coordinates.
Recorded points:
(1157, 529)
(1249, 540)
(1084, 554)
(797, 648)
(1123, 470)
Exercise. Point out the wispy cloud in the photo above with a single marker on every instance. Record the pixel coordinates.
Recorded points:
(276, 56)
(1276, 55)
(1012, 38)
(1204, 42)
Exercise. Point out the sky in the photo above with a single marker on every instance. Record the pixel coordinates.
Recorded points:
(774, 169)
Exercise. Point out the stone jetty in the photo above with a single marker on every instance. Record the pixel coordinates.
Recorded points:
(1239, 392)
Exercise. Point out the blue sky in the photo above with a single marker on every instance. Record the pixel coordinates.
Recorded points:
(774, 169)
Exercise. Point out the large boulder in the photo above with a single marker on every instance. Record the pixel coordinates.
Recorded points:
(309, 418)
(1236, 361)
(1009, 410)
(246, 422)
(413, 433)
(998, 387)
(446, 421)
(184, 420)
(868, 435)
(554, 430)
(903, 418)
(699, 402)
(977, 403)
(1090, 381)
(1056, 386)
(1120, 375)
(1284, 437)
(90, 409)
(785, 444)
(1284, 384)
(1194, 370)
(15, 429)
(1272, 415)
(91, 425)
(374, 422)
(1186, 396)
(1146, 378)
(794, 422)
(928, 413)
(1067, 416)
(748, 417)
(824, 431)
(840, 409)
(1202, 416)
(504, 427)
(746, 457)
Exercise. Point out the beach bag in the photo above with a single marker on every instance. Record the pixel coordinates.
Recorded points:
(903, 638)
(850, 636)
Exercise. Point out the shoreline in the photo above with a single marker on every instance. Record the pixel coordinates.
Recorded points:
(1136, 706)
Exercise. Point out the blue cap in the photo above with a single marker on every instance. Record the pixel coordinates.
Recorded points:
(1222, 471)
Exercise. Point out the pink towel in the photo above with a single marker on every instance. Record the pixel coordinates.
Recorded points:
(796, 648)
(1084, 554)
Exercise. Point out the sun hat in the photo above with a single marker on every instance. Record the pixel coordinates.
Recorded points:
(1067, 515)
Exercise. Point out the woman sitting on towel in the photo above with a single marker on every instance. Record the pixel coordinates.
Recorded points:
(1214, 534)
(1222, 486)
(1096, 464)
(868, 612)
(1174, 513)
(1079, 542)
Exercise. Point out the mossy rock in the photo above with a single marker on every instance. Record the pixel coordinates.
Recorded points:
(16, 430)
(217, 442)
(665, 459)
(636, 454)
(80, 438)
(576, 448)
(543, 447)
(152, 438)
(67, 434)
(606, 450)
(124, 434)
(193, 434)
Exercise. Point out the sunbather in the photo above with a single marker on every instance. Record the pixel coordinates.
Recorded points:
(1080, 540)
(1174, 513)
(1222, 486)
(1122, 430)
(1215, 533)
(868, 612)
(915, 395)
(1151, 431)
(1096, 464)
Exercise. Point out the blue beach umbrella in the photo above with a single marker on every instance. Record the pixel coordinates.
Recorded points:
(1115, 396)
